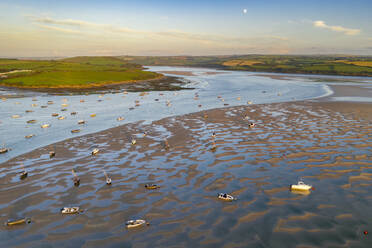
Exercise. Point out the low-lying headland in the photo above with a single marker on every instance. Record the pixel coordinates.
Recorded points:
(79, 74)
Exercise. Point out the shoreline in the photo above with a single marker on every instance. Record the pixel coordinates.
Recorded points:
(160, 83)
(85, 87)
(264, 71)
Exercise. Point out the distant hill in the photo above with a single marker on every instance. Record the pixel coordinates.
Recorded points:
(314, 64)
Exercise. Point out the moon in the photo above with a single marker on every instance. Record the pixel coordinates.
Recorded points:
(244, 11)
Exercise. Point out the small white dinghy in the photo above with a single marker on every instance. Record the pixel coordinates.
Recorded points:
(226, 197)
(136, 223)
(70, 210)
(300, 186)
(45, 125)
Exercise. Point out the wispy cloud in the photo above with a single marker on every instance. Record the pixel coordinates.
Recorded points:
(79, 26)
(59, 29)
(347, 31)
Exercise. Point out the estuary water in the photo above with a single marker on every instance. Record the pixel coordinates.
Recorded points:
(234, 88)
(325, 143)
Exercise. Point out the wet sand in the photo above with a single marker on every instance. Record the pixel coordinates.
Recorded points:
(328, 144)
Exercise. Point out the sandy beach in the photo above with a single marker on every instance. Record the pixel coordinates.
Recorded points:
(326, 143)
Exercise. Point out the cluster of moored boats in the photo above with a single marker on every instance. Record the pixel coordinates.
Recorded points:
(301, 186)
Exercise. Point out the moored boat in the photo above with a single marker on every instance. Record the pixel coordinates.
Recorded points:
(136, 223)
(300, 186)
(3, 150)
(18, 222)
(152, 186)
(226, 197)
(70, 210)
(45, 125)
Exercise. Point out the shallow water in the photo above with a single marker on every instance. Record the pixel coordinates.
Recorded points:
(229, 85)
(328, 149)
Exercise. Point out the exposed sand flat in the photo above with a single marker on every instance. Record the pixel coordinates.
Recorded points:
(320, 142)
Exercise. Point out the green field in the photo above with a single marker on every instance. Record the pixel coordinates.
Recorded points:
(77, 72)
(330, 65)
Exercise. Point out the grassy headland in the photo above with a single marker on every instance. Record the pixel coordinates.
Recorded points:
(329, 65)
(74, 73)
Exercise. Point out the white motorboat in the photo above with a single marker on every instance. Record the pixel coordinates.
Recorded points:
(300, 186)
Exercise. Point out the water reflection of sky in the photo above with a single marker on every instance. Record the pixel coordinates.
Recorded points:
(229, 85)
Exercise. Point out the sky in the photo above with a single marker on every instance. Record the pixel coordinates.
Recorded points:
(48, 28)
